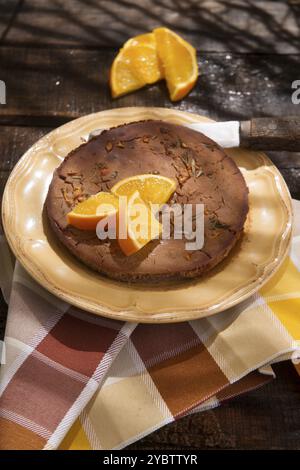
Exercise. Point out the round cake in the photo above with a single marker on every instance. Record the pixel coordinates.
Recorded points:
(204, 175)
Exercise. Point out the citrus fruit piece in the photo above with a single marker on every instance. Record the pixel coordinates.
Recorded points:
(179, 62)
(155, 189)
(137, 64)
(88, 213)
(147, 39)
(139, 224)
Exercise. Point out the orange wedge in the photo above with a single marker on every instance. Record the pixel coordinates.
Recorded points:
(139, 224)
(88, 213)
(179, 62)
(136, 65)
(155, 189)
(147, 39)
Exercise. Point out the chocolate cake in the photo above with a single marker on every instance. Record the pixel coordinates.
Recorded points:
(204, 173)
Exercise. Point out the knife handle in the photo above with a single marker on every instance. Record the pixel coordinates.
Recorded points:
(271, 133)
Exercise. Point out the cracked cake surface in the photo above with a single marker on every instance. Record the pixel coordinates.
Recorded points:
(204, 174)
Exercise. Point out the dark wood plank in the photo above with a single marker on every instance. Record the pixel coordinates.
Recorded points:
(9, 10)
(212, 25)
(14, 141)
(292, 179)
(67, 83)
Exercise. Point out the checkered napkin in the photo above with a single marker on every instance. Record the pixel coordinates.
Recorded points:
(72, 380)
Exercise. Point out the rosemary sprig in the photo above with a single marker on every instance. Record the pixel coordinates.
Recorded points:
(217, 224)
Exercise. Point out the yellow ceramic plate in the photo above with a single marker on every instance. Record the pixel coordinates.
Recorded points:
(253, 261)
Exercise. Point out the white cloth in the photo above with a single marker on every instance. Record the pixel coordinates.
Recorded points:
(226, 134)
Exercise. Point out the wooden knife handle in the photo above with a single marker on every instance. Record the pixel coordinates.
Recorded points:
(271, 133)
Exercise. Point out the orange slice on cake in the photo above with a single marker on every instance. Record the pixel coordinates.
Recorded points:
(155, 189)
(138, 223)
(129, 203)
(88, 213)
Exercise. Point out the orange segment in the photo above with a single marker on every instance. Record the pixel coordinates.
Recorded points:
(88, 213)
(136, 65)
(179, 62)
(147, 39)
(140, 224)
(155, 189)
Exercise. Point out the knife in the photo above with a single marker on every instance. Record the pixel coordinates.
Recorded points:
(267, 133)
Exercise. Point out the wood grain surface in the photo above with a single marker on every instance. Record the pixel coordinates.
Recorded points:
(211, 25)
(54, 59)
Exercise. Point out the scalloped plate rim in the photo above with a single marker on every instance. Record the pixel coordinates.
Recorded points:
(89, 305)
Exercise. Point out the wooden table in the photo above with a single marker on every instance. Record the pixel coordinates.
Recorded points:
(54, 59)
